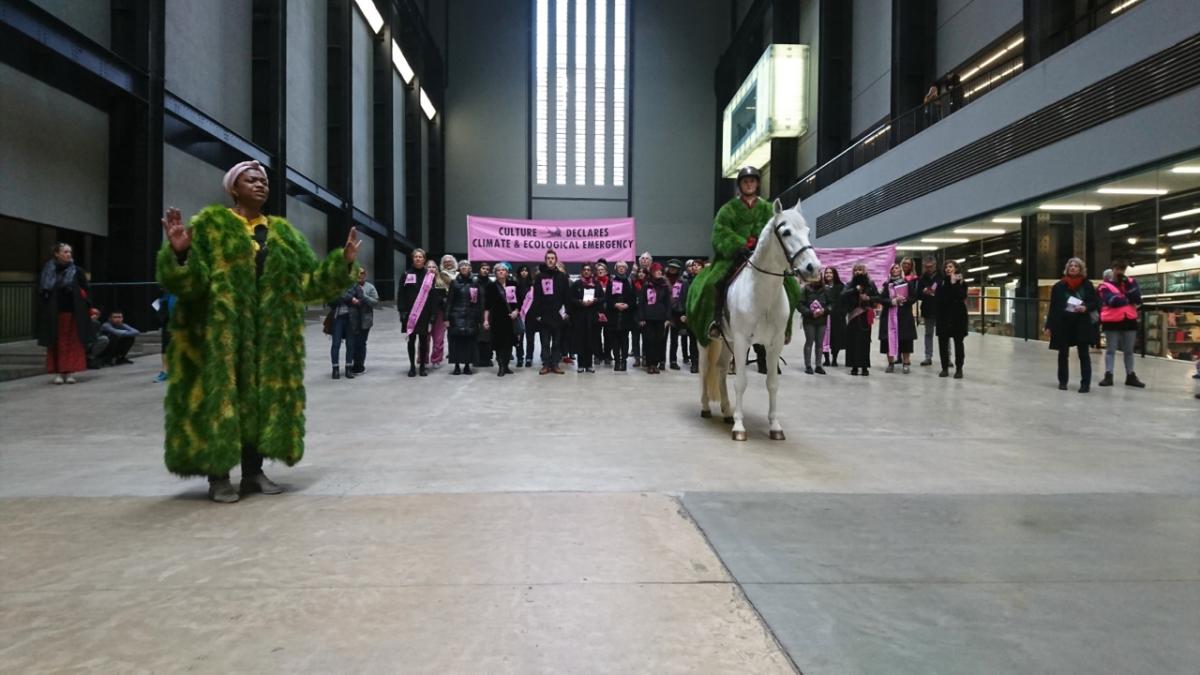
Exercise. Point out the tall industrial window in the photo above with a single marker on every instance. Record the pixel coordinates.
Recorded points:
(579, 94)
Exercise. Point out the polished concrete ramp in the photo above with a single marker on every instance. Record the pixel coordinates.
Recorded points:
(956, 584)
(545, 524)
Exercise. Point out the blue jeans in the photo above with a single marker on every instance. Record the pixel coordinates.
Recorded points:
(342, 331)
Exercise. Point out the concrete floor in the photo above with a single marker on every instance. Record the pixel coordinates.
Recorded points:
(594, 523)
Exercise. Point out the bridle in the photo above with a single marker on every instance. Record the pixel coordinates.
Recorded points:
(791, 270)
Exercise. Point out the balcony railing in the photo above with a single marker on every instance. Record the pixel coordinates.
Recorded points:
(895, 131)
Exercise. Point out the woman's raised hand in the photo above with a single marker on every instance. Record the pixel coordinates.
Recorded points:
(178, 234)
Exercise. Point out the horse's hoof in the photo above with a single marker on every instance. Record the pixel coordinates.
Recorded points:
(706, 414)
(778, 436)
(728, 420)
(739, 435)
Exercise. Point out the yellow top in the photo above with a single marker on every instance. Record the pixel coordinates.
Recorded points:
(250, 225)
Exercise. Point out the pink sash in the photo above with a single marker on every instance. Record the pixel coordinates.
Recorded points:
(510, 294)
(651, 296)
(527, 303)
(825, 340)
(894, 322)
(419, 305)
(676, 289)
(474, 294)
(617, 286)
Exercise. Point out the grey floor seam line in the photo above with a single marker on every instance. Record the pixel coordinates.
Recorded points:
(511, 584)
(738, 585)
(955, 582)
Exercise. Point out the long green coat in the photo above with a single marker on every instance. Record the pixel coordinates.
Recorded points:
(734, 224)
(236, 358)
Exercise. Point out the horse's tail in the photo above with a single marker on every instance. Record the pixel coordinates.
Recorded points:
(712, 370)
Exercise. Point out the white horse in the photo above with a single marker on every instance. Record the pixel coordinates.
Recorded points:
(757, 312)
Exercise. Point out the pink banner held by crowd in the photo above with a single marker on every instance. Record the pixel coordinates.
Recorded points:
(878, 259)
(528, 240)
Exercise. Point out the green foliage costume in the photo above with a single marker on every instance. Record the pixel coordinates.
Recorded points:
(734, 224)
(236, 359)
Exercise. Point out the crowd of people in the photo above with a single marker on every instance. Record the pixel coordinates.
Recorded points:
(490, 317)
(234, 373)
(454, 313)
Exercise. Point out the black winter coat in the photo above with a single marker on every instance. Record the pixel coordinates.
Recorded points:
(929, 303)
(1071, 329)
(406, 298)
(808, 295)
(837, 317)
(586, 315)
(907, 323)
(551, 292)
(498, 309)
(464, 307)
(950, 308)
(621, 290)
(77, 294)
(654, 301)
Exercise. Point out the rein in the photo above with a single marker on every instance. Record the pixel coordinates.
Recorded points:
(791, 271)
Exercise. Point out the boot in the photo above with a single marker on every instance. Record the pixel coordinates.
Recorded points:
(958, 373)
(891, 368)
(826, 359)
(637, 362)
(1107, 381)
(337, 374)
(221, 490)
(349, 372)
(412, 366)
(808, 370)
(1131, 380)
(421, 371)
(854, 372)
(674, 365)
(260, 483)
(820, 370)
(1084, 387)
(866, 372)
(457, 370)
(944, 372)
(467, 370)
(695, 367)
(927, 362)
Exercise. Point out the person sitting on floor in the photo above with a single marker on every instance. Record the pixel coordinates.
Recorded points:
(120, 338)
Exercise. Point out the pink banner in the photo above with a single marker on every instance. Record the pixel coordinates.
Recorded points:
(878, 259)
(528, 240)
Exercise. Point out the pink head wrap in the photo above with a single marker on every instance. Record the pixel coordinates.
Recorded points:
(238, 169)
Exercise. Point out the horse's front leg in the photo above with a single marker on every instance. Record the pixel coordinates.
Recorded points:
(739, 390)
(706, 371)
(723, 384)
(773, 351)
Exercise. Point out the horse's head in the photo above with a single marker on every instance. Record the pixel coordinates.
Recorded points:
(791, 231)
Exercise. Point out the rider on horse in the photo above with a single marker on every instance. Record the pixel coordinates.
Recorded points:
(735, 232)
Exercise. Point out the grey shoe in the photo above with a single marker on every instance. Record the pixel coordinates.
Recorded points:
(260, 483)
(890, 369)
(221, 490)
(905, 369)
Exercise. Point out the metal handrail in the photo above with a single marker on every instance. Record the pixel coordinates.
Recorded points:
(896, 130)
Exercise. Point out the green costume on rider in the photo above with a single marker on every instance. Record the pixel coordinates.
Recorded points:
(735, 232)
